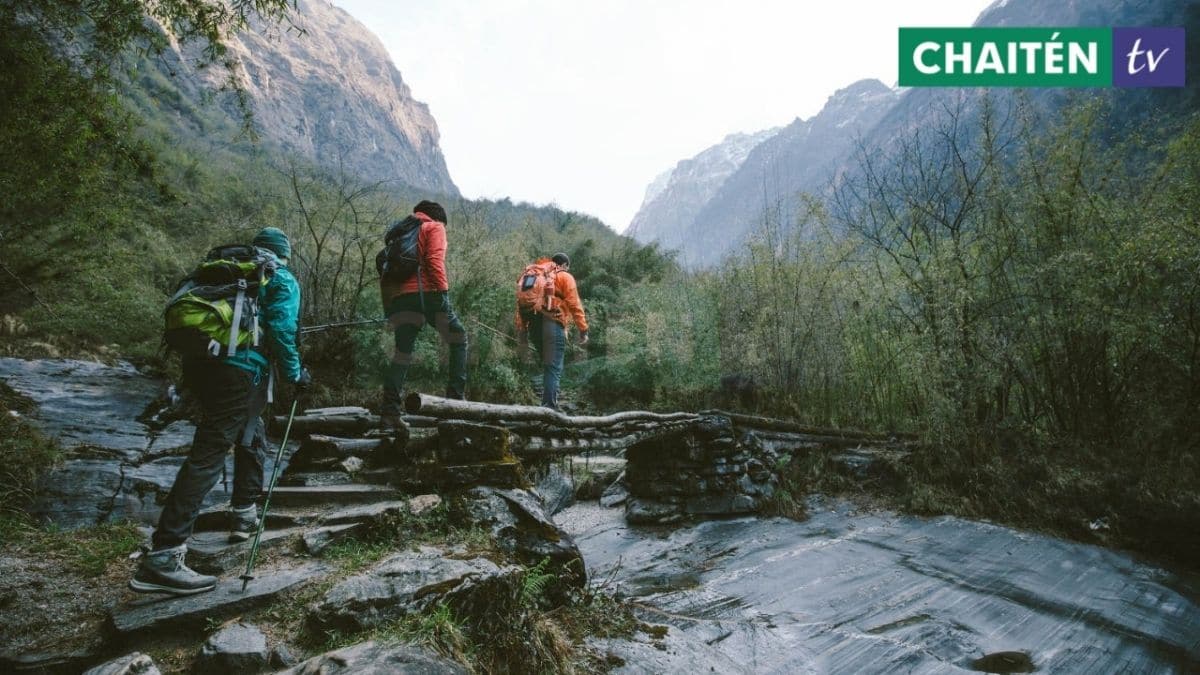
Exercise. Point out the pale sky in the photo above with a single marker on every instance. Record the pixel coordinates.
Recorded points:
(582, 103)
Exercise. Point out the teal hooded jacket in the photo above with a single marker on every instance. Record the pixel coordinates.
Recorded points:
(279, 316)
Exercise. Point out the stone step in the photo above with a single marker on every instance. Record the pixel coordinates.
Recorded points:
(216, 518)
(213, 553)
(159, 612)
(376, 511)
(331, 494)
(315, 479)
(317, 540)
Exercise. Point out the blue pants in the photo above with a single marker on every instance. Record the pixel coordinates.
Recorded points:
(549, 338)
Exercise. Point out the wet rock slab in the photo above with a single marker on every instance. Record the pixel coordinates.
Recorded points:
(410, 581)
(83, 403)
(236, 649)
(878, 592)
(373, 658)
(131, 664)
(163, 612)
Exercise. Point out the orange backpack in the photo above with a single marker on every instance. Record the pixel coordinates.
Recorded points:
(535, 289)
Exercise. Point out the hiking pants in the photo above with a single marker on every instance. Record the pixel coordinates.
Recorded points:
(231, 402)
(406, 316)
(549, 338)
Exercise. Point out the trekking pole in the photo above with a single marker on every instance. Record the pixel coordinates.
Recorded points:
(344, 324)
(267, 504)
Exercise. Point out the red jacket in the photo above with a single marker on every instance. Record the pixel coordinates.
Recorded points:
(431, 242)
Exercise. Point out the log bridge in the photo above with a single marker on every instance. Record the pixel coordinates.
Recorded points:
(677, 465)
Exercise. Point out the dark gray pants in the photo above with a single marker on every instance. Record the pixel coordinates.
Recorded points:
(407, 314)
(549, 338)
(231, 403)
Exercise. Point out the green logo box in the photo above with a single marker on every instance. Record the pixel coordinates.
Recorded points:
(1005, 57)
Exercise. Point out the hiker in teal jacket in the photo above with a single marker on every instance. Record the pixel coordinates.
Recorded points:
(232, 394)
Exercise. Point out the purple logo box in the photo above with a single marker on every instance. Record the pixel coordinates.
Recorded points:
(1148, 57)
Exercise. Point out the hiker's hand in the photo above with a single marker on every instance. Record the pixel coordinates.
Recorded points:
(583, 338)
(302, 385)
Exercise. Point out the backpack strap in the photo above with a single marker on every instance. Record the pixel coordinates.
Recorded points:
(238, 304)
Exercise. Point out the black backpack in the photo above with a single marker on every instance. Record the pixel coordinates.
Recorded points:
(401, 256)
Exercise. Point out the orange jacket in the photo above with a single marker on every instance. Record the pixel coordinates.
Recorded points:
(568, 309)
(431, 243)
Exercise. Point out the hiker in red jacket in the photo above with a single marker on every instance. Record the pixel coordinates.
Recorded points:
(419, 299)
(547, 304)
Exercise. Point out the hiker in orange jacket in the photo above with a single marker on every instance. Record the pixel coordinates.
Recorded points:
(549, 328)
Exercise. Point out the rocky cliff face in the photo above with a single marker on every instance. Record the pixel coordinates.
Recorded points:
(675, 198)
(330, 94)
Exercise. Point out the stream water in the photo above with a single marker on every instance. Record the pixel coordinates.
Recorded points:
(876, 592)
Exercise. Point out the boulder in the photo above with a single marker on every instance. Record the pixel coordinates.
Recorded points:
(522, 528)
(410, 581)
(131, 664)
(556, 490)
(373, 658)
(646, 511)
(234, 650)
(614, 495)
(597, 479)
(282, 657)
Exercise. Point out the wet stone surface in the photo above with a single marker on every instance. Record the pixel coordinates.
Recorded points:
(847, 592)
(116, 467)
(87, 404)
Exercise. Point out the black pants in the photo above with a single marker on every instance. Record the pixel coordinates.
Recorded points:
(231, 404)
(406, 316)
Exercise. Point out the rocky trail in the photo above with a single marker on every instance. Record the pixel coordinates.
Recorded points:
(666, 511)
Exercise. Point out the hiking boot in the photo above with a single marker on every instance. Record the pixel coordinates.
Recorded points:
(454, 395)
(243, 523)
(163, 571)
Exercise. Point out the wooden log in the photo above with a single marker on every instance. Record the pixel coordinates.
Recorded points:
(534, 446)
(341, 410)
(332, 446)
(331, 425)
(319, 451)
(768, 423)
(424, 404)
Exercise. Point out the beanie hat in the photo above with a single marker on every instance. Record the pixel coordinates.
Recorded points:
(432, 209)
(561, 259)
(273, 239)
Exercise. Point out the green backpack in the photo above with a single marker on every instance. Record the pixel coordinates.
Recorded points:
(215, 308)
